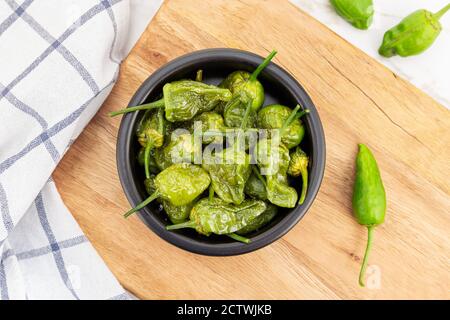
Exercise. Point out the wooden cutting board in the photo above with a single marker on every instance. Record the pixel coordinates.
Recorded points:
(358, 99)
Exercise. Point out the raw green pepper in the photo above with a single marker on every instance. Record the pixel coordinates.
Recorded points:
(150, 133)
(275, 162)
(184, 99)
(369, 198)
(256, 186)
(358, 13)
(180, 184)
(413, 35)
(299, 166)
(245, 88)
(277, 116)
(218, 217)
(260, 221)
(229, 171)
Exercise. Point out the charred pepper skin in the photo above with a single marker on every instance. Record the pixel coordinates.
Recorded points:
(369, 198)
(359, 13)
(413, 35)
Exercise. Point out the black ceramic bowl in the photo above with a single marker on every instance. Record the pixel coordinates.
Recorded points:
(280, 87)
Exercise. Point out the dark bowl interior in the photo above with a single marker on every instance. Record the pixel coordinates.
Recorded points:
(216, 64)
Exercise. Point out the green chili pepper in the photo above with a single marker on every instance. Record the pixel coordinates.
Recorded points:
(256, 186)
(414, 34)
(180, 184)
(150, 133)
(277, 116)
(299, 166)
(180, 149)
(275, 163)
(153, 167)
(358, 13)
(229, 171)
(260, 221)
(211, 122)
(218, 217)
(369, 198)
(184, 99)
(245, 87)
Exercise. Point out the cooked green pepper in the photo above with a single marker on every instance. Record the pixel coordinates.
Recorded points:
(260, 221)
(180, 184)
(180, 149)
(414, 34)
(150, 133)
(299, 166)
(256, 186)
(218, 217)
(275, 162)
(229, 171)
(245, 87)
(358, 13)
(211, 122)
(153, 167)
(184, 99)
(369, 198)
(277, 116)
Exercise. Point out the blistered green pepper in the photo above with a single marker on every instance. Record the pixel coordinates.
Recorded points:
(299, 166)
(256, 186)
(277, 116)
(358, 13)
(211, 122)
(184, 99)
(414, 34)
(229, 171)
(369, 198)
(180, 149)
(260, 221)
(150, 133)
(218, 217)
(273, 159)
(180, 184)
(246, 89)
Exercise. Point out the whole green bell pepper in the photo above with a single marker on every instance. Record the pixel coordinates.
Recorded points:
(369, 198)
(273, 159)
(229, 171)
(413, 35)
(180, 184)
(260, 221)
(218, 217)
(277, 116)
(246, 89)
(358, 13)
(299, 166)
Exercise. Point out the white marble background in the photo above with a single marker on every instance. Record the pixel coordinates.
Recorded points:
(429, 71)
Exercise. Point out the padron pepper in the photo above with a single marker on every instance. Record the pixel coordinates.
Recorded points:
(218, 217)
(246, 89)
(211, 122)
(288, 121)
(413, 35)
(180, 149)
(274, 159)
(255, 186)
(369, 198)
(229, 170)
(180, 184)
(299, 166)
(359, 13)
(153, 168)
(260, 221)
(184, 99)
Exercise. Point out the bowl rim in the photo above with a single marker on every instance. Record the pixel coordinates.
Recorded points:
(125, 134)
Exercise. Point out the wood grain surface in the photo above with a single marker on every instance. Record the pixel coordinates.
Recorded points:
(358, 100)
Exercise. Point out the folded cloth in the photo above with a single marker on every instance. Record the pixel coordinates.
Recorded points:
(58, 62)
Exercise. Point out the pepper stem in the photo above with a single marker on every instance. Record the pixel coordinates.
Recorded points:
(148, 148)
(362, 273)
(199, 75)
(142, 204)
(294, 115)
(258, 175)
(261, 67)
(246, 114)
(304, 186)
(188, 224)
(239, 238)
(441, 12)
(152, 105)
(211, 193)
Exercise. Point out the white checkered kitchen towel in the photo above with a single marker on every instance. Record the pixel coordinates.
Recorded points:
(58, 62)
